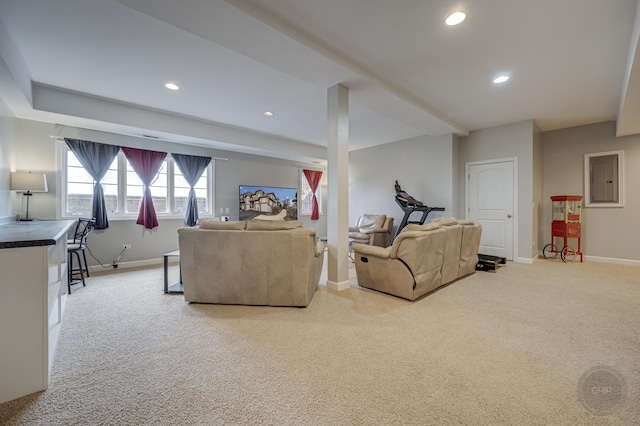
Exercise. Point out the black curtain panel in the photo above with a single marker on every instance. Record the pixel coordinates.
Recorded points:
(95, 158)
(192, 167)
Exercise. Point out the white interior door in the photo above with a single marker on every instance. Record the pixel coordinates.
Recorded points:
(490, 202)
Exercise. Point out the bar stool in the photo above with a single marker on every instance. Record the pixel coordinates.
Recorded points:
(74, 247)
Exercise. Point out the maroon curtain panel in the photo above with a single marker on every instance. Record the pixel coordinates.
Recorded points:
(146, 164)
(313, 177)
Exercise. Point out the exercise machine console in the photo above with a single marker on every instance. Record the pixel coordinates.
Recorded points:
(410, 205)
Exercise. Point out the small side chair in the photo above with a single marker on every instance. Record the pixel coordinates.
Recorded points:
(76, 245)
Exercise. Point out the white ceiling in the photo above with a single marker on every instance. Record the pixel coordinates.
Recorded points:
(102, 64)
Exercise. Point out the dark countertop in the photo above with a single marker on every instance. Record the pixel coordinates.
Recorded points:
(33, 233)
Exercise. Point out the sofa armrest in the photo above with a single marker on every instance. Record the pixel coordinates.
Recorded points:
(376, 231)
(319, 248)
(367, 250)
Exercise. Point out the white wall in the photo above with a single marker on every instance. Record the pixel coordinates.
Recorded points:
(510, 140)
(424, 167)
(33, 149)
(538, 173)
(607, 233)
(7, 137)
(245, 169)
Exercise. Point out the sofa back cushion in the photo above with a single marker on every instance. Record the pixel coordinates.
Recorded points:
(471, 235)
(446, 221)
(453, 242)
(370, 221)
(415, 227)
(265, 225)
(226, 226)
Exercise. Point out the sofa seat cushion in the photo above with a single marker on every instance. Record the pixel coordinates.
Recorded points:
(359, 236)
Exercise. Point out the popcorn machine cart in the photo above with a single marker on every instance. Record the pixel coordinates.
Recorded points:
(566, 213)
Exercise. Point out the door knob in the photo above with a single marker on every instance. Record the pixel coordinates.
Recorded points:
(509, 215)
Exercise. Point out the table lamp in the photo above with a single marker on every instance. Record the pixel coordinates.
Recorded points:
(28, 183)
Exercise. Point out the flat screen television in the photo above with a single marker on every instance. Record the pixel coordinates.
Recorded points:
(268, 202)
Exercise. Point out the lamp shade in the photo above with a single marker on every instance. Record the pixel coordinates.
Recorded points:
(28, 182)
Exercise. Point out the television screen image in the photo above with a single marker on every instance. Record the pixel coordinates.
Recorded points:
(268, 203)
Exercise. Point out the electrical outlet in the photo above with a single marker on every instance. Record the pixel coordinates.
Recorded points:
(126, 246)
(221, 210)
(227, 210)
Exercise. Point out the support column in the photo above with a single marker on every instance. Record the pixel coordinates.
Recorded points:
(338, 188)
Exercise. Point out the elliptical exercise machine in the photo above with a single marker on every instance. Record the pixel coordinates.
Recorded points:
(410, 205)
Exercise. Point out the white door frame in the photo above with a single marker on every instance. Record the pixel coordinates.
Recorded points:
(513, 160)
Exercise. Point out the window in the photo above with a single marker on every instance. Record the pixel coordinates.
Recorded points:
(79, 187)
(306, 196)
(123, 189)
(159, 190)
(182, 188)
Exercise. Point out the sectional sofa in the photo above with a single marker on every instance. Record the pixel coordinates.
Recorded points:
(421, 258)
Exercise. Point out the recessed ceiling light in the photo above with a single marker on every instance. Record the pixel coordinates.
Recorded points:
(455, 18)
(172, 86)
(500, 79)
(268, 113)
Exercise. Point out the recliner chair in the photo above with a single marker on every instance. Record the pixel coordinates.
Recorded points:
(371, 229)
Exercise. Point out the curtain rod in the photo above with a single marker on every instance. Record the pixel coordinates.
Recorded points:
(213, 158)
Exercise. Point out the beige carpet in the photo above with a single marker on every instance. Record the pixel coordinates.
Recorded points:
(493, 348)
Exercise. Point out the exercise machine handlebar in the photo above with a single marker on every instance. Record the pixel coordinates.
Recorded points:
(409, 205)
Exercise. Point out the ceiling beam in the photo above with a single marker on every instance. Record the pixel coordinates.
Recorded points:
(629, 108)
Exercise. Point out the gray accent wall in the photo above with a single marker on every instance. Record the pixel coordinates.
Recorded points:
(607, 233)
(426, 168)
(429, 168)
(507, 141)
(34, 149)
(7, 137)
(538, 173)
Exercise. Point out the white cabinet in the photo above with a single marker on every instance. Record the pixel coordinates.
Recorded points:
(33, 287)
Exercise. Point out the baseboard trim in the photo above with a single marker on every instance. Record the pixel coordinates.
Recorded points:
(331, 285)
(527, 260)
(629, 262)
(133, 264)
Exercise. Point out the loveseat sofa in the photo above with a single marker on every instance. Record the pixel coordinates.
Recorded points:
(421, 258)
(276, 263)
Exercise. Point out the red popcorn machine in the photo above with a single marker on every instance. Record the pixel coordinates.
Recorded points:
(566, 215)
